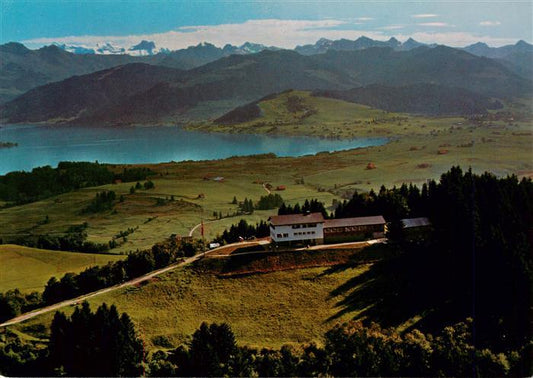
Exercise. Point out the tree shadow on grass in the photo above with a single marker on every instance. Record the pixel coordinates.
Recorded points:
(398, 288)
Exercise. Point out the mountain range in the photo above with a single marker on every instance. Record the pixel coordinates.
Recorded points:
(141, 93)
(22, 69)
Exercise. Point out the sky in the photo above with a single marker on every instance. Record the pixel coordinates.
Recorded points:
(179, 24)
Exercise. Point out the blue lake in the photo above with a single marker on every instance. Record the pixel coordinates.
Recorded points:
(48, 145)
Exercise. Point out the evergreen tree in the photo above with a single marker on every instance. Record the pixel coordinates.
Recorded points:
(95, 344)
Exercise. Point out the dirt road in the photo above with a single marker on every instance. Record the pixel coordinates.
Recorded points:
(81, 298)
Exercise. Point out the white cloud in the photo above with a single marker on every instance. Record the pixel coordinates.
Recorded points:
(435, 24)
(364, 18)
(271, 32)
(490, 23)
(281, 33)
(392, 27)
(424, 15)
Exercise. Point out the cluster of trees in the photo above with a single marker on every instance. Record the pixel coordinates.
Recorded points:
(106, 344)
(71, 285)
(135, 174)
(138, 186)
(313, 206)
(95, 344)
(270, 201)
(136, 264)
(13, 303)
(396, 203)
(74, 240)
(243, 230)
(246, 206)
(43, 182)
(102, 343)
(350, 349)
(102, 201)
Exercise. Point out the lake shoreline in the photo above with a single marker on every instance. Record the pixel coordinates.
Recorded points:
(41, 145)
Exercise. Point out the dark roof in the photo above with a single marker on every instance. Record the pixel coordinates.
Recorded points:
(282, 220)
(359, 221)
(415, 222)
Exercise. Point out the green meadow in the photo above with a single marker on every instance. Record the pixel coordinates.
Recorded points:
(28, 269)
(264, 310)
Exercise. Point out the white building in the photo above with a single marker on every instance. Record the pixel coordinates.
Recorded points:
(297, 227)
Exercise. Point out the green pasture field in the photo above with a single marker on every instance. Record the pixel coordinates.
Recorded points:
(28, 269)
(329, 118)
(266, 310)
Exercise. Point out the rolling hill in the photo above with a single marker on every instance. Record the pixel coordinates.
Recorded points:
(28, 269)
(165, 94)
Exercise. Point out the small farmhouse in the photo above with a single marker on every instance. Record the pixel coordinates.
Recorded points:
(352, 229)
(297, 228)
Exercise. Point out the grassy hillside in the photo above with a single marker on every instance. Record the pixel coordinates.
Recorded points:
(28, 269)
(300, 113)
(264, 310)
(154, 221)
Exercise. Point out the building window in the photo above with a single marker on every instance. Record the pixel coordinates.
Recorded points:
(295, 226)
(278, 235)
(285, 235)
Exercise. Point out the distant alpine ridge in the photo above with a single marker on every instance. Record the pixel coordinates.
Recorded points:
(146, 48)
(145, 84)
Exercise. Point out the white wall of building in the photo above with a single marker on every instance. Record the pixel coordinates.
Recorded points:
(298, 232)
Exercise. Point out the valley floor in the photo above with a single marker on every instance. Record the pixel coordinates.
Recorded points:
(420, 149)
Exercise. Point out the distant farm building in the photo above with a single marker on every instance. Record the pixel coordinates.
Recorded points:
(416, 228)
(182, 239)
(314, 229)
(371, 166)
(280, 187)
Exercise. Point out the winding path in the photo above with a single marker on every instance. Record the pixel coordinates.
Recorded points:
(81, 298)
